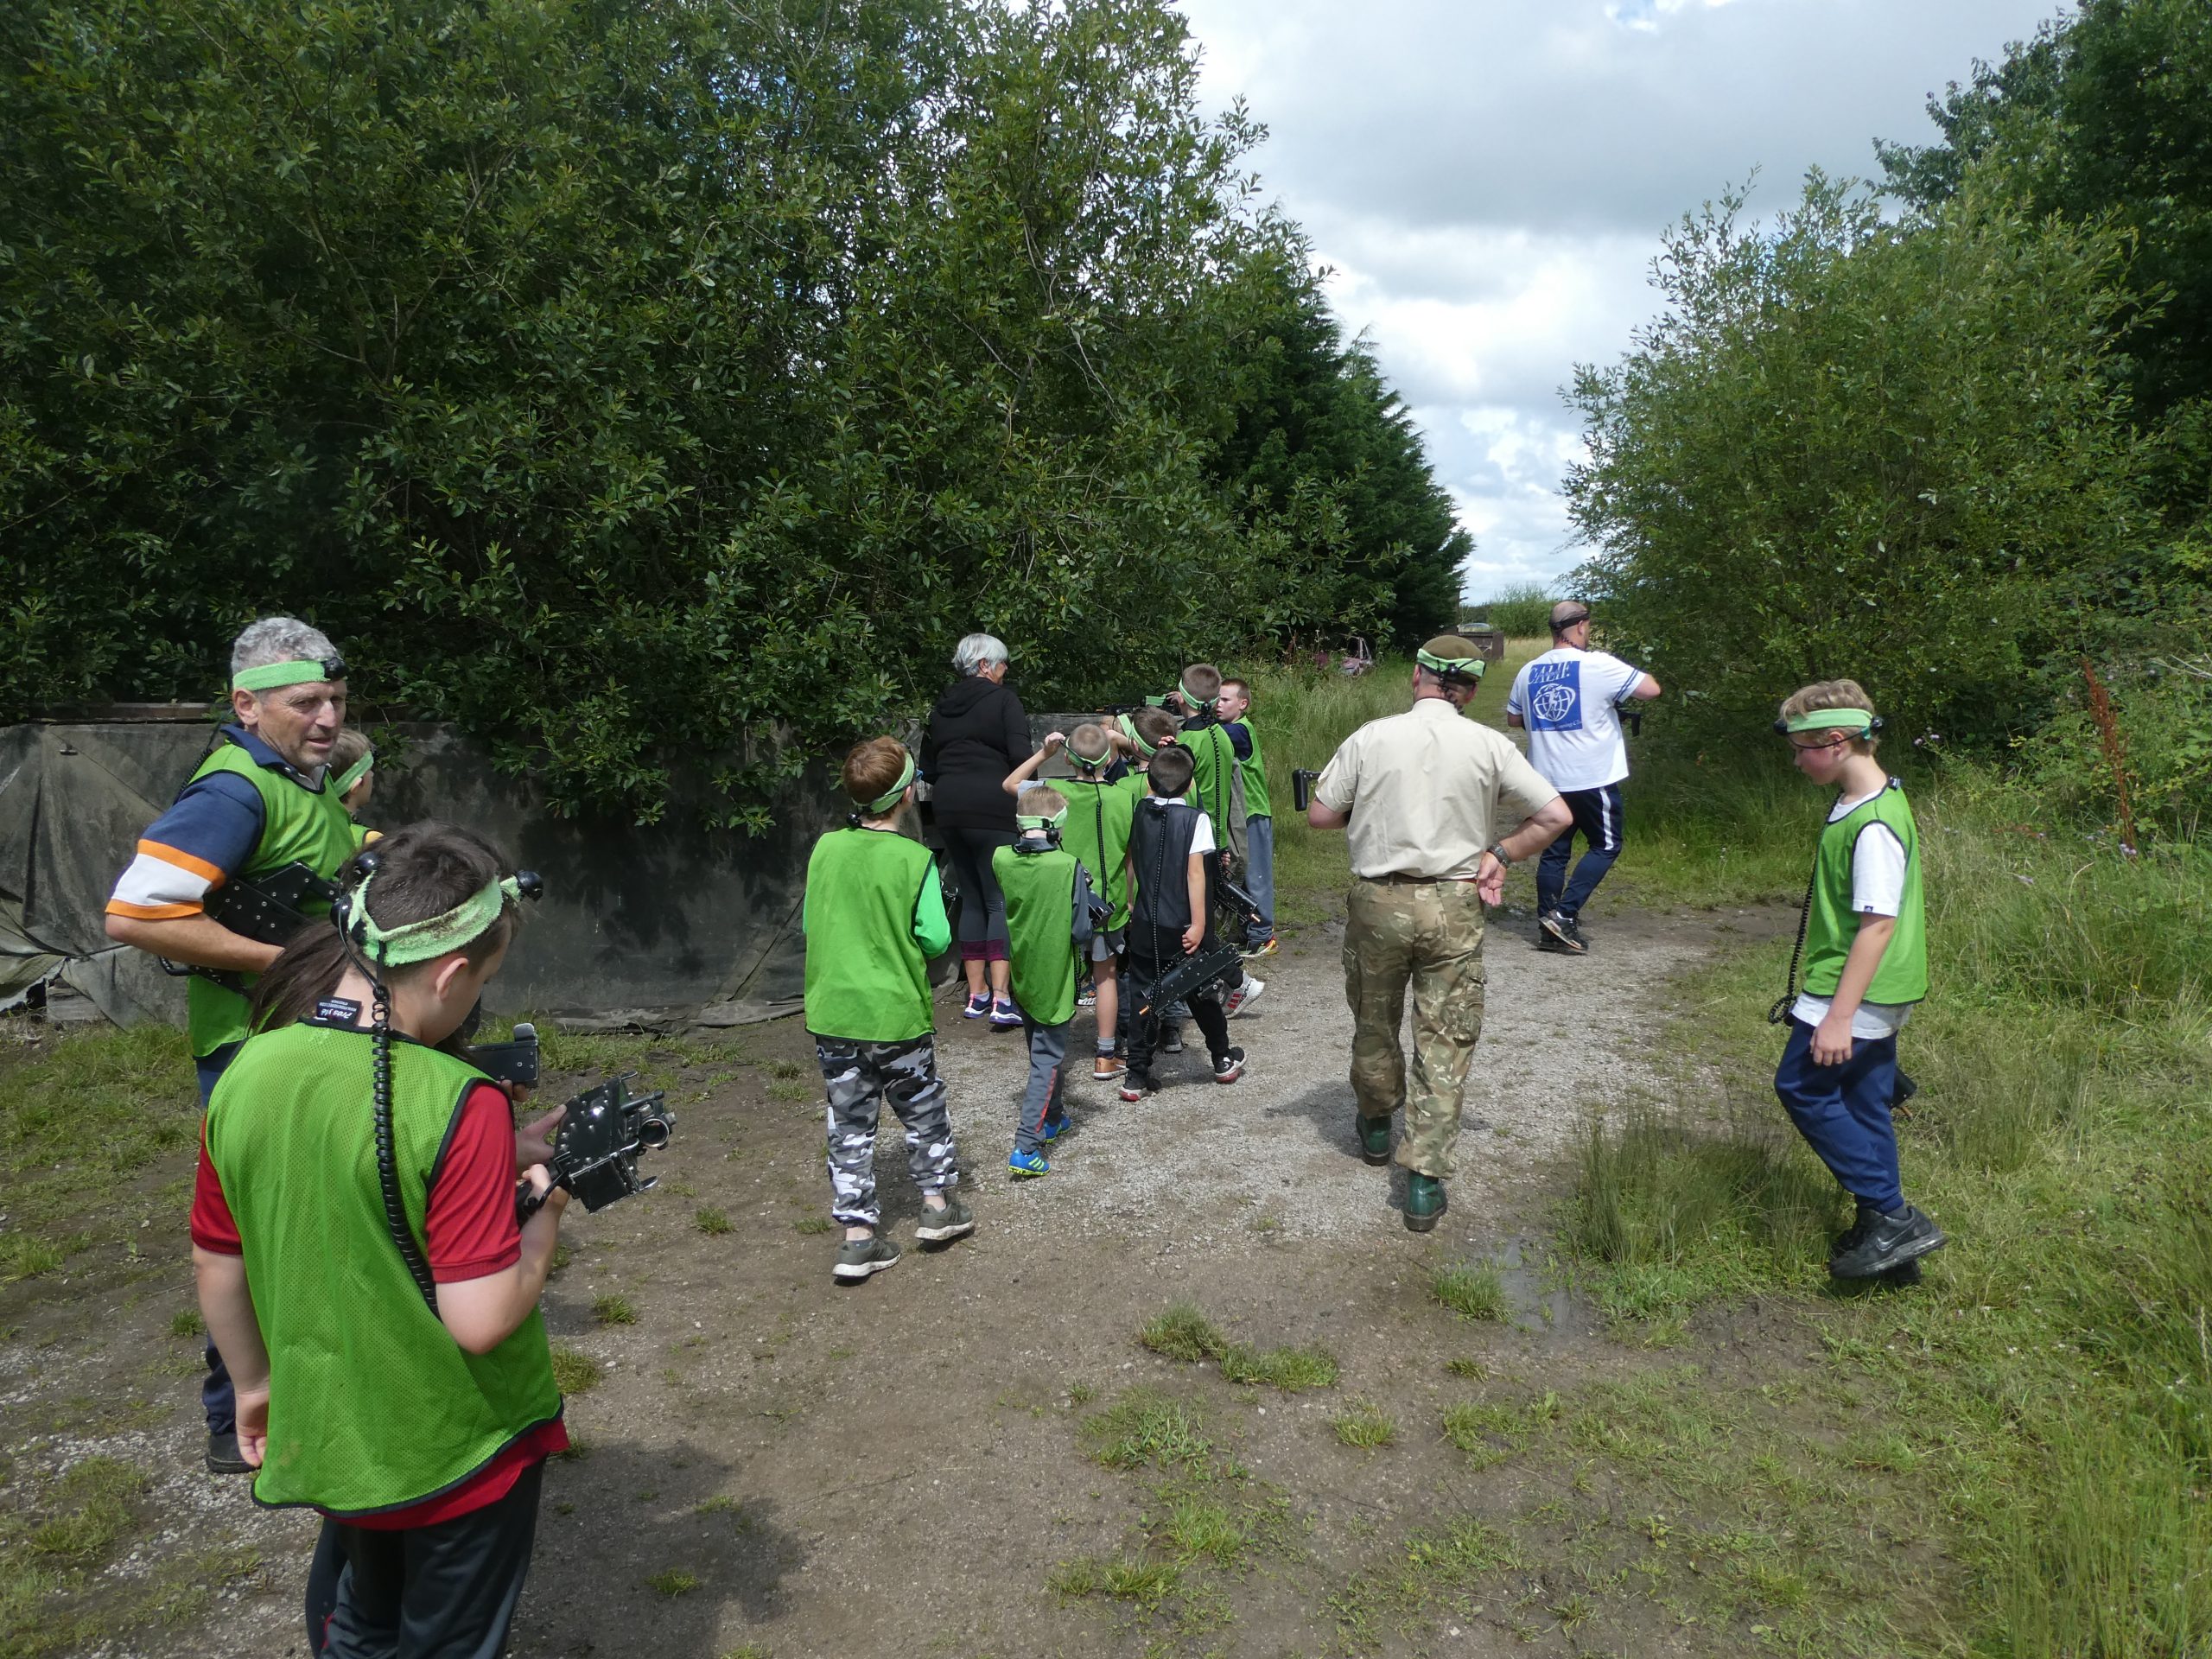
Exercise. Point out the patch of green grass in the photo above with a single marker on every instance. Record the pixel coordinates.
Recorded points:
(1487, 1433)
(673, 1581)
(574, 1372)
(785, 1071)
(95, 1495)
(1182, 1333)
(1473, 1290)
(713, 1222)
(1435, 1566)
(1365, 1425)
(186, 1322)
(612, 1309)
(1143, 1584)
(812, 1225)
(1293, 1370)
(1145, 1426)
(1473, 1369)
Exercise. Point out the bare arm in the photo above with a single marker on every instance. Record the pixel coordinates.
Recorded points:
(1195, 934)
(201, 940)
(226, 1307)
(1537, 831)
(1514, 721)
(1832, 1038)
(1319, 814)
(1022, 773)
(481, 1313)
(1644, 689)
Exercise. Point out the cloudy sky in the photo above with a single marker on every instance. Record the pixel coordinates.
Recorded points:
(1487, 179)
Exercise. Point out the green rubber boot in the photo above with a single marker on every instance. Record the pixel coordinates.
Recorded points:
(1425, 1202)
(1375, 1139)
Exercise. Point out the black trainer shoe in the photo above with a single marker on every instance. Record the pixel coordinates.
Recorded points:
(1885, 1243)
(1171, 1039)
(1227, 1068)
(1135, 1084)
(1559, 926)
(223, 1457)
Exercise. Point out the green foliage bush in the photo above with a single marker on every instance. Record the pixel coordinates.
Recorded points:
(624, 383)
(1523, 610)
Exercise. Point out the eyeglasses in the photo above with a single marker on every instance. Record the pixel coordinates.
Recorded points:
(1835, 740)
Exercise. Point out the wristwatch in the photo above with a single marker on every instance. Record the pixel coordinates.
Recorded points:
(1496, 850)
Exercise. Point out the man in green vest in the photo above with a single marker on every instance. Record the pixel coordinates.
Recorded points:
(256, 804)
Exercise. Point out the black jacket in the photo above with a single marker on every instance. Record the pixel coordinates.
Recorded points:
(976, 734)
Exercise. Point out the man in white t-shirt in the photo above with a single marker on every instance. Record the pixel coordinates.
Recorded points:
(1569, 700)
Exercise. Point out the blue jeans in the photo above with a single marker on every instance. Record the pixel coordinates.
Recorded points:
(1598, 820)
(1260, 877)
(1843, 1112)
(217, 1398)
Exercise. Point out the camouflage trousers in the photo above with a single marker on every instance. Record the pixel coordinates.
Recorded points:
(861, 1076)
(1428, 935)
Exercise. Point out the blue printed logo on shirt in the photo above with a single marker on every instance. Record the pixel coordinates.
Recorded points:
(1555, 697)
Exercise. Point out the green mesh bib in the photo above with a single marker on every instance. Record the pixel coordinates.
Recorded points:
(1039, 890)
(865, 977)
(1832, 925)
(298, 825)
(1098, 832)
(1254, 773)
(372, 1405)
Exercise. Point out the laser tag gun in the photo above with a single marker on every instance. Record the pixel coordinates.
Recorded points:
(1233, 900)
(595, 1149)
(1631, 714)
(515, 1061)
(1099, 907)
(1301, 787)
(264, 908)
(1190, 974)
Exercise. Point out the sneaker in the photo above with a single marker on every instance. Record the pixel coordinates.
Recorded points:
(1557, 947)
(1374, 1140)
(1005, 1016)
(1057, 1127)
(1104, 1068)
(1883, 1242)
(1243, 996)
(1171, 1041)
(1086, 996)
(857, 1258)
(1559, 926)
(1022, 1166)
(978, 1005)
(942, 1226)
(223, 1457)
(1426, 1202)
(1227, 1068)
(1264, 948)
(1137, 1085)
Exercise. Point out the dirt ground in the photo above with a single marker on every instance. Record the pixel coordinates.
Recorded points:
(771, 1465)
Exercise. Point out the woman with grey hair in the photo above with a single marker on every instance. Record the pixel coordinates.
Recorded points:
(976, 734)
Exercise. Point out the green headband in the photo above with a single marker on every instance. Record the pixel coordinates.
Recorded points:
(1823, 720)
(1091, 760)
(1182, 686)
(1129, 730)
(883, 803)
(437, 936)
(1039, 821)
(300, 669)
(353, 774)
(1434, 664)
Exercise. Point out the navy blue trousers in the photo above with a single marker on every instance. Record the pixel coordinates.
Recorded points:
(216, 1397)
(1598, 820)
(1843, 1112)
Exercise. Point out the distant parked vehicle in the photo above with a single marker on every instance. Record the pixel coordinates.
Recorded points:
(1360, 660)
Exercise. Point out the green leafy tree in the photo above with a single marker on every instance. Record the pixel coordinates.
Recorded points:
(1850, 448)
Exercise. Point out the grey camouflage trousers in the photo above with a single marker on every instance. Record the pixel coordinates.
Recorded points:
(860, 1078)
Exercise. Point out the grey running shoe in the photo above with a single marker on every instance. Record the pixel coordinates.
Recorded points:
(1880, 1244)
(1558, 926)
(1171, 1041)
(943, 1226)
(858, 1258)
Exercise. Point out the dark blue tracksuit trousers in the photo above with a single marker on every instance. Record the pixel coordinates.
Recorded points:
(1598, 820)
(1843, 1112)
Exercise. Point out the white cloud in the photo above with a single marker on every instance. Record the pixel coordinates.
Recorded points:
(1488, 180)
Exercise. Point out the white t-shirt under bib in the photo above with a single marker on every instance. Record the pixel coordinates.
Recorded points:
(1877, 889)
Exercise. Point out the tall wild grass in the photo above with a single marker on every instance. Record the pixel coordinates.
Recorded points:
(2055, 1366)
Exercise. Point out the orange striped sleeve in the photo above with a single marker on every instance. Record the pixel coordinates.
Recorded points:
(152, 913)
(214, 875)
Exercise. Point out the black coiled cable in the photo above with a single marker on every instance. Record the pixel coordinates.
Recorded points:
(1783, 1003)
(395, 1211)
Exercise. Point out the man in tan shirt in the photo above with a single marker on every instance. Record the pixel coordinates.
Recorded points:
(1437, 807)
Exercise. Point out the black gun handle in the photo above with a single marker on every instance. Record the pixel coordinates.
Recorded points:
(528, 1202)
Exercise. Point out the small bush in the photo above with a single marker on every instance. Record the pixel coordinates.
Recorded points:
(1364, 1425)
(1182, 1333)
(1524, 611)
(1473, 1290)
(574, 1372)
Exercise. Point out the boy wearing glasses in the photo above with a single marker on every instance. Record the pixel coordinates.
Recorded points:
(1865, 965)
